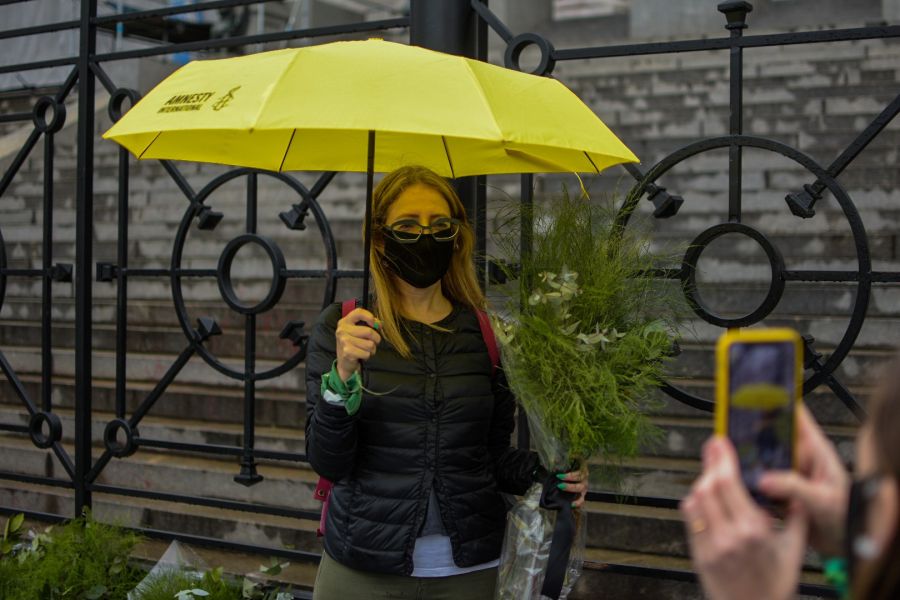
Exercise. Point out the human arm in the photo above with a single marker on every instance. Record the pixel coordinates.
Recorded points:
(737, 550)
(820, 483)
(330, 430)
(515, 469)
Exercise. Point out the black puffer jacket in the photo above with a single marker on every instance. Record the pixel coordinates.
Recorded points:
(443, 421)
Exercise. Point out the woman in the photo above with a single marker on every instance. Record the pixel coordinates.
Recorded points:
(418, 441)
(739, 554)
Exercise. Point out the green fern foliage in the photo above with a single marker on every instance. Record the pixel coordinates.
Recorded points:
(588, 327)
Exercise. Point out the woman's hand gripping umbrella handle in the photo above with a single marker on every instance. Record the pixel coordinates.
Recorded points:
(356, 339)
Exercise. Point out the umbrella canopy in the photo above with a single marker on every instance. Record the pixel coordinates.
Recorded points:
(312, 108)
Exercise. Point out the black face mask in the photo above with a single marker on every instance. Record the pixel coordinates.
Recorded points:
(421, 263)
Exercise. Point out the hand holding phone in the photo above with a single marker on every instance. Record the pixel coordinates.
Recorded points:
(758, 391)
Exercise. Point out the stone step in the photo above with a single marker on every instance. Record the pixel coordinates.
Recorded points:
(299, 301)
(825, 405)
(200, 392)
(822, 309)
(830, 301)
(151, 367)
(857, 369)
(166, 336)
(285, 485)
(600, 580)
(215, 404)
(665, 469)
(683, 437)
(610, 526)
(168, 429)
(159, 339)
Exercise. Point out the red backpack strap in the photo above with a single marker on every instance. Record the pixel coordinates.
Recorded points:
(348, 306)
(323, 487)
(489, 340)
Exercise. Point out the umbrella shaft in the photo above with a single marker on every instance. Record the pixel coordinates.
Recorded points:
(367, 244)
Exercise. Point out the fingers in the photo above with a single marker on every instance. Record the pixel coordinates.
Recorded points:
(574, 475)
(579, 502)
(787, 485)
(575, 482)
(719, 493)
(362, 332)
(360, 314)
(812, 444)
(696, 527)
(816, 455)
(356, 348)
(730, 487)
(356, 342)
(795, 533)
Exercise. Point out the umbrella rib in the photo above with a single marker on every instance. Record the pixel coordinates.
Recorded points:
(449, 160)
(487, 105)
(144, 151)
(288, 149)
(591, 160)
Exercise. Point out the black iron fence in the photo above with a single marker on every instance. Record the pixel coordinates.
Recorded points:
(451, 25)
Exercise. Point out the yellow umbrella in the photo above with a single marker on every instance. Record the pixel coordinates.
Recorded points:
(311, 108)
(320, 108)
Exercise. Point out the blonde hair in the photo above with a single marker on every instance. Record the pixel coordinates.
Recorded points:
(459, 284)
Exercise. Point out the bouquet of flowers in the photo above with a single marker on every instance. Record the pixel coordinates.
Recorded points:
(584, 341)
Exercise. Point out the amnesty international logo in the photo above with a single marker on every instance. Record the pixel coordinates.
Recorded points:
(224, 100)
(186, 102)
(196, 101)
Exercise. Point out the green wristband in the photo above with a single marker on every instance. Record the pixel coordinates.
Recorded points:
(836, 574)
(350, 391)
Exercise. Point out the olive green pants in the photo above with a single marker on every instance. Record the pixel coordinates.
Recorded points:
(334, 581)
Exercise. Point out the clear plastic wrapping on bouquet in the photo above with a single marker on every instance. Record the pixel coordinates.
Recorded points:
(529, 530)
(526, 549)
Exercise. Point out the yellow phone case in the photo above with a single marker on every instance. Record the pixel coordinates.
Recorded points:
(754, 336)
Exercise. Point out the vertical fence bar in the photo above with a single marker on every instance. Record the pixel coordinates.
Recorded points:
(736, 14)
(84, 234)
(248, 475)
(526, 233)
(122, 286)
(46, 279)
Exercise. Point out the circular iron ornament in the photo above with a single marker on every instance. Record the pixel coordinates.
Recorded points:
(118, 98)
(39, 115)
(224, 270)
(178, 251)
(514, 51)
(36, 429)
(689, 275)
(112, 443)
(864, 261)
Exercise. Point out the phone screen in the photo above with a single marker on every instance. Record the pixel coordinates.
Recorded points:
(761, 389)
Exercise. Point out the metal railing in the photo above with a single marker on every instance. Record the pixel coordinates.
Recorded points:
(120, 436)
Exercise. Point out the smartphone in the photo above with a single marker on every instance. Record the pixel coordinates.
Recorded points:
(759, 378)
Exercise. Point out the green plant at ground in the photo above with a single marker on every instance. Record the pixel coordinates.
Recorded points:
(12, 532)
(82, 560)
(183, 584)
(187, 584)
(588, 328)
